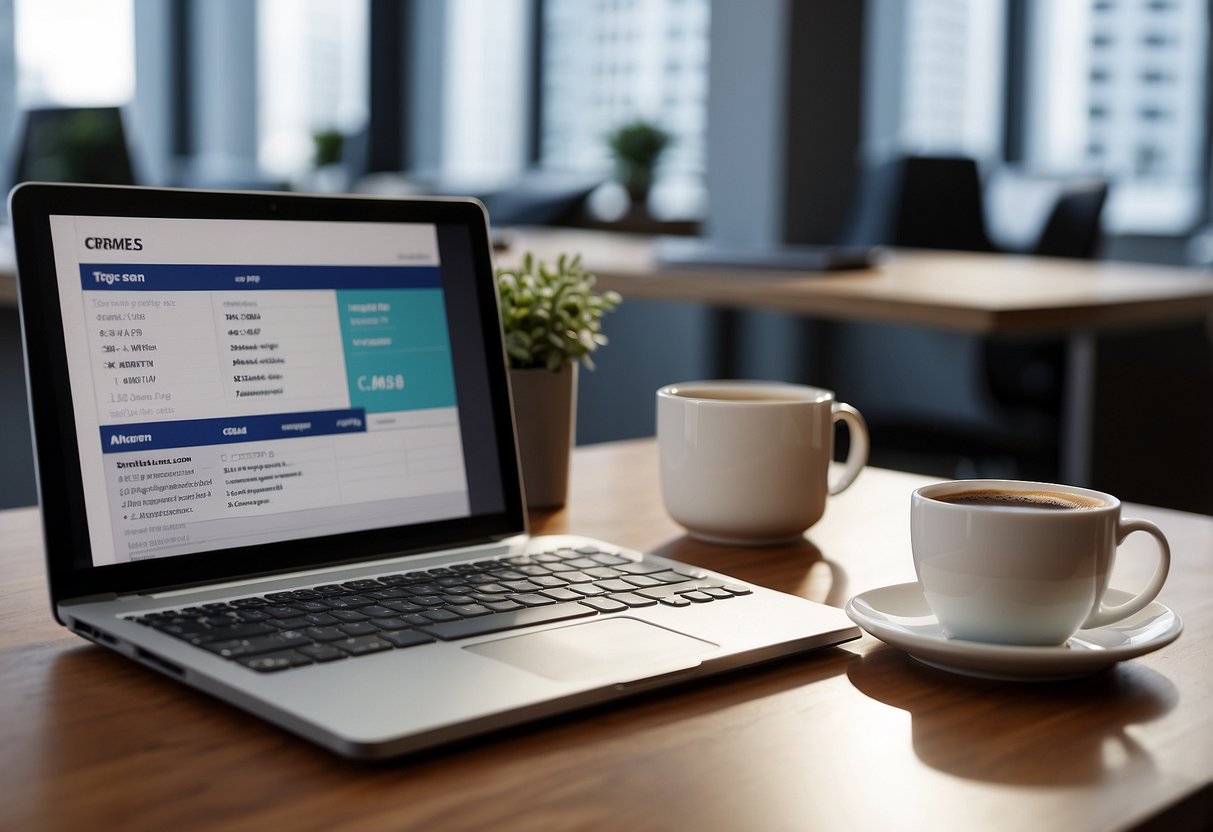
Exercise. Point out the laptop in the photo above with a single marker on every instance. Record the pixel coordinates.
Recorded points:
(276, 462)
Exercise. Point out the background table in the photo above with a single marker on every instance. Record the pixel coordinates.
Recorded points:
(981, 294)
(855, 737)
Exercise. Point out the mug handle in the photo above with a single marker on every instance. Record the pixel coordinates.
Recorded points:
(857, 455)
(1104, 615)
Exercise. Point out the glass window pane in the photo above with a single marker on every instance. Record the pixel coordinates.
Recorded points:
(1117, 89)
(312, 76)
(952, 78)
(486, 67)
(58, 59)
(613, 61)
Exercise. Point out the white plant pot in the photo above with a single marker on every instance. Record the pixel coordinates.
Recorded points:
(545, 417)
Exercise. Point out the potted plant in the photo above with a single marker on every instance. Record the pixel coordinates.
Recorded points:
(552, 321)
(637, 147)
(328, 174)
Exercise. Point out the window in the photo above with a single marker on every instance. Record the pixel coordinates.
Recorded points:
(484, 112)
(951, 85)
(57, 59)
(312, 74)
(1118, 90)
(614, 61)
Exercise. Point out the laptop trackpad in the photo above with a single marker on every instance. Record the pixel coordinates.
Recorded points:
(609, 646)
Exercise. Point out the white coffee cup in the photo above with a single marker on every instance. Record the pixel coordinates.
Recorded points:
(1022, 562)
(746, 462)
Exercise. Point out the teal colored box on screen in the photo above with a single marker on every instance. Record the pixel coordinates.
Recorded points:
(397, 349)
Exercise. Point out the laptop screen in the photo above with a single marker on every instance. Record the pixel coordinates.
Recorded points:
(239, 383)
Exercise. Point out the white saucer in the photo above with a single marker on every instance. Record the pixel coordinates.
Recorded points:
(899, 615)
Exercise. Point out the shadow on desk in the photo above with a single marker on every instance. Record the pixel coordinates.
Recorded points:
(999, 732)
(813, 576)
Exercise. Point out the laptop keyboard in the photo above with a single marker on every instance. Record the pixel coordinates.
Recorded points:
(325, 623)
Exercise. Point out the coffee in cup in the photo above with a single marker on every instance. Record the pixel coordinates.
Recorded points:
(1022, 562)
(747, 462)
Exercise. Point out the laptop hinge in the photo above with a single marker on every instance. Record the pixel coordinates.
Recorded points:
(92, 599)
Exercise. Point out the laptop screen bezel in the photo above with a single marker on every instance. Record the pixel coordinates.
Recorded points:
(56, 454)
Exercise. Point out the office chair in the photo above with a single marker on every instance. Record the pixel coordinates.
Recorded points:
(1032, 373)
(936, 202)
(73, 144)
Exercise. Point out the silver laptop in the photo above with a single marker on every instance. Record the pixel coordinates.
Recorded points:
(276, 461)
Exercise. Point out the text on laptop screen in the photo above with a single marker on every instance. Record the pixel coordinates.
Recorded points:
(242, 381)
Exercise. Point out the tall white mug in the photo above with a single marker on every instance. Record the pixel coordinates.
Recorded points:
(747, 462)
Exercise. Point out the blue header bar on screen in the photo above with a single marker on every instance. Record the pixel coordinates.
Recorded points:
(185, 433)
(154, 277)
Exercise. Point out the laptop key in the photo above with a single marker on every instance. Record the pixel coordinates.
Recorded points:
(390, 624)
(640, 568)
(289, 623)
(235, 631)
(234, 648)
(407, 638)
(440, 615)
(468, 627)
(615, 585)
(533, 600)
(324, 633)
(669, 576)
(361, 584)
(697, 596)
(503, 605)
(468, 610)
(272, 662)
(362, 645)
(605, 604)
(320, 620)
(520, 586)
(492, 588)
(402, 606)
(351, 601)
(561, 593)
(348, 615)
(632, 599)
(359, 628)
(674, 601)
(610, 560)
(322, 653)
(375, 611)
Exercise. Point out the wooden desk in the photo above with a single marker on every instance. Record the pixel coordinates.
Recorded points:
(857, 737)
(984, 294)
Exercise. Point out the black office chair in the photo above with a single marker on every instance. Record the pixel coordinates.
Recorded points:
(73, 144)
(921, 202)
(936, 202)
(1032, 374)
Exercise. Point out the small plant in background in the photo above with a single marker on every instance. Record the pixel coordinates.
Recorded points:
(326, 147)
(551, 316)
(637, 146)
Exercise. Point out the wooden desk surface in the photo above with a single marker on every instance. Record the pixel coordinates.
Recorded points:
(856, 737)
(980, 293)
